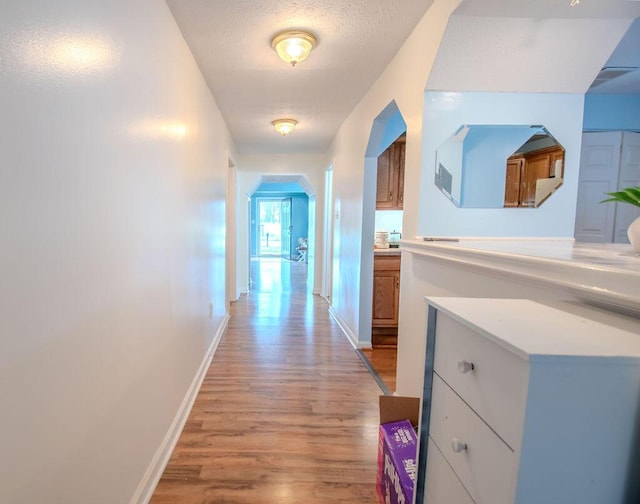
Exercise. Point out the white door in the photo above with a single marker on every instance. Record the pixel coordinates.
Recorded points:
(285, 227)
(599, 166)
(629, 177)
(327, 270)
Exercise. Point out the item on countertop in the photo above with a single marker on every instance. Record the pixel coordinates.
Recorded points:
(382, 240)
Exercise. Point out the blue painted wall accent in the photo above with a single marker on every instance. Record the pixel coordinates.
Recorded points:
(386, 128)
(605, 112)
(299, 217)
(280, 187)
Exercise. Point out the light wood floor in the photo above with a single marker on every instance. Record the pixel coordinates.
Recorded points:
(383, 361)
(287, 413)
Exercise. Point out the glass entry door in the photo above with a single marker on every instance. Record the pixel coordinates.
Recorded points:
(274, 227)
(286, 227)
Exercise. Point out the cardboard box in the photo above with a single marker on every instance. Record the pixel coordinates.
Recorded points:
(397, 448)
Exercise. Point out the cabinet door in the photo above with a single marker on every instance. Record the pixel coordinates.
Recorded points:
(512, 184)
(384, 185)
(386, 295)
(535, 167)
(399, 148)
(390, 181)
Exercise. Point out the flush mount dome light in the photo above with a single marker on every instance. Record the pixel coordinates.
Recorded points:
(293, 46)
(284, 126)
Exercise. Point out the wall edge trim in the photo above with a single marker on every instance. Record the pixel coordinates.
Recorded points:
(349, 334)
(156, 467)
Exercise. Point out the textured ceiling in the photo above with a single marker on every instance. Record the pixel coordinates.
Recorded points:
(543, 9)
(538, 46)
(231, 41)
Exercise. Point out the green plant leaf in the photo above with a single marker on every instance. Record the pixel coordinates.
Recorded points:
(630, 195)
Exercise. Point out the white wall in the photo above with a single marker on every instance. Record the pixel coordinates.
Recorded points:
(403, 81)
(250, 171)
(112, 212)
(438, 55)
(425, 276)
(388, 220)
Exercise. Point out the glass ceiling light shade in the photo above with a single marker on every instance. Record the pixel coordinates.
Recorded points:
(293, 46)
(284, 126)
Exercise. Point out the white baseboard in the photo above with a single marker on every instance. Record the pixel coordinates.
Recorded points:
(353, 339)
(151, 477)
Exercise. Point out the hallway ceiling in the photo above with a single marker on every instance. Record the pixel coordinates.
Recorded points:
(231, 42)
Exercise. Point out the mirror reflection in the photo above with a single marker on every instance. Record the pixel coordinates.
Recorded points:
(499, 166)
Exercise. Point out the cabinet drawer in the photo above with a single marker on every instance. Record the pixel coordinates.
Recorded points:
(496, 387)
(385, 262)
(487, 467)
(443, 486)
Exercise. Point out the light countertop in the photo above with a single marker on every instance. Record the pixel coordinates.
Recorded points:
(607, 273)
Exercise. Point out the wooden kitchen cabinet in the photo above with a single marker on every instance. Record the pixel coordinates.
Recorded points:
(523, 173)
(512, 185)
(390, 181)
(386, 298)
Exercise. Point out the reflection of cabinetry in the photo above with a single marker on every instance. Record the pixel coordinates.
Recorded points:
(526, 404)
(390, 183)
(386, 297)
(523, 172)
(609, 161)
(512, 184)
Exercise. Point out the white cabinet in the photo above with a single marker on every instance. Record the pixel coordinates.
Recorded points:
(609, 161)
(527, 404)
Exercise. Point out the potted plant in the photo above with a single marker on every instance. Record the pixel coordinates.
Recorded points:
(630, 195)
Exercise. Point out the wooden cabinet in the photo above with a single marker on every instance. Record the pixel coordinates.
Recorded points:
(386, 290)
(523, 173)
(386, 298)
(526, 404)
(512, 185)
(390, 181)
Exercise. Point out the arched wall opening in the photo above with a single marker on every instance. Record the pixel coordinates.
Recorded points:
(386, 128)
(248, 184)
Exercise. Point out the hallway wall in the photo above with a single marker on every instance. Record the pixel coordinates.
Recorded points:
(403, 81)
(459, 48)
(112, 242)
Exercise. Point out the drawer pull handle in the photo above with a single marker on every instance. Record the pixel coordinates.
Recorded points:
(457, 445)
(465, 366)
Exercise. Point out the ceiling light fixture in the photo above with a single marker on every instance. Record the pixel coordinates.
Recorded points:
(284, 126)
(293, 46)
(573, 3)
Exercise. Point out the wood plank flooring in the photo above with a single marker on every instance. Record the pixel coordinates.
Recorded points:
(383, 360)
(287, 413)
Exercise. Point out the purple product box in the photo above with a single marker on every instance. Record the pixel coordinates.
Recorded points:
(397, 447)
